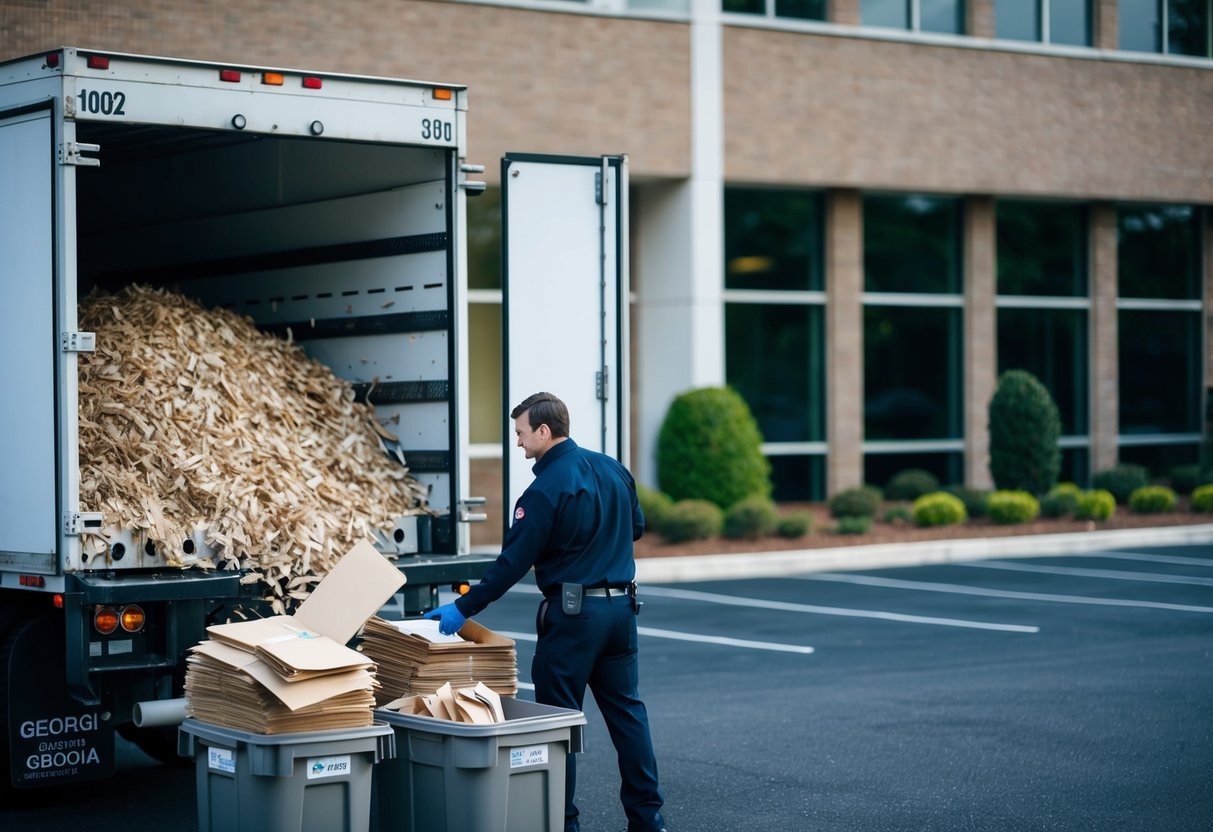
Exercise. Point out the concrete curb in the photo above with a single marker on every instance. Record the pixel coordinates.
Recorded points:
(885, 555)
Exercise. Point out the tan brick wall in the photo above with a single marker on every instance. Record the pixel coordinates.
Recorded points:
(847, 112)
(1105, 25)
(843, 11)
(487, 481)
(1105, 352)
(539, 82)
(844, 340)
(979, 18)
(980, 341)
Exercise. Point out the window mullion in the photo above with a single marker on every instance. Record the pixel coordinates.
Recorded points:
(1044, 14)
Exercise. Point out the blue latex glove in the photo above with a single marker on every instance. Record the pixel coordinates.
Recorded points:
(450, 619)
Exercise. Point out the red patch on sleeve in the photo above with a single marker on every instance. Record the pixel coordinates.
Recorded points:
(519, 513)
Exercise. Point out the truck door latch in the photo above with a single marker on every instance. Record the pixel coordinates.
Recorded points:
(79, 341)
(466, 516)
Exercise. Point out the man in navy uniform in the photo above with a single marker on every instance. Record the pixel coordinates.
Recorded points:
(575, 524)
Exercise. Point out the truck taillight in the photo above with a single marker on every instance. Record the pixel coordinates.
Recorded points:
(32, 580)
(133, 618)
(231, 75)
(105, 619)
(311, 82)
(52, 60)
(98, 62)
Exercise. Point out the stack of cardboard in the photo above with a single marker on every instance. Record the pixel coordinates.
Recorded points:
(415, 659)
(294, 673)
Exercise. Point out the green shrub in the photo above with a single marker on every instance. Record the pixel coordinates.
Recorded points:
(1096, 504)
(655, 505)
(1187, 478)
(751, 518)
(709, 448)
(692, 520)
(974, 499)
(938, 508)
(1024, 430)
(794, 524)
(856, 502)
(855, 524)
(1202, 498)
(1009, 507)
(1152, 499)
(1058, 504)
(898, 514)
(910, 485)
(1121, 480)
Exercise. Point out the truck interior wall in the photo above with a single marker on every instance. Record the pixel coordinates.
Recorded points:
(343, 247)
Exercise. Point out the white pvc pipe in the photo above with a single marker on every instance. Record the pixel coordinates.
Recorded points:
(158, 712)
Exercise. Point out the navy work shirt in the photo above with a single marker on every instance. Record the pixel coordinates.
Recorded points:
(575, 523)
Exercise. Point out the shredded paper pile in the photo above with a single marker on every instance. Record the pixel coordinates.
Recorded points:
(191, 416)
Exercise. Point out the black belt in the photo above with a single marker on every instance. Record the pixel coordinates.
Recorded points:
(604, 591)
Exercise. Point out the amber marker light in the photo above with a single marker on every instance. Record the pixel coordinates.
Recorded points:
(105, 619)
(274, 79)
(443, 95)
(133, 618)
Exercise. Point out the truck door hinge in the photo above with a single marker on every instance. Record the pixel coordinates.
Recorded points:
(466, 516)
(79, 341)
(70, 154)
(473, 188)
(78, 522)
(602, 383)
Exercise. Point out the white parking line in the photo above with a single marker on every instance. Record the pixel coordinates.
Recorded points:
(1176, 559)
(961, 589)
(760, 603)
(697, 638)
(1111, 574)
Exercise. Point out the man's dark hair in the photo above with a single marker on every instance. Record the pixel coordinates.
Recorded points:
(544, 409)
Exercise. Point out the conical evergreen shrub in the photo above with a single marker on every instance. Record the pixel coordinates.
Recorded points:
(1024, 431)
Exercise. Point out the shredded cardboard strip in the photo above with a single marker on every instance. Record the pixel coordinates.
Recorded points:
(192, 418)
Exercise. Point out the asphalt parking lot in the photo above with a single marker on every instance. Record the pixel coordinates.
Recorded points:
(1023, 693)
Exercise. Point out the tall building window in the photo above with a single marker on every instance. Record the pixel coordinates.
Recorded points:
(1160, 319)
(1043, 311)
(1175, 27)
(946, 16)
(913, 336)
(801, 9)
(1047, 21)
(775, 330)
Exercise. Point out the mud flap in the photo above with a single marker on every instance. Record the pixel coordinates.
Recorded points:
(50, 738)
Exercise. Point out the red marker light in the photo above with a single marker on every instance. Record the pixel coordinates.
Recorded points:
(311, 82)
(32, 580)
(57, 600)
(230, 75)
(105, 619)
(98, 62)
(52, 60)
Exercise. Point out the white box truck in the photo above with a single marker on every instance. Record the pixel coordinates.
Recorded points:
(305, 201)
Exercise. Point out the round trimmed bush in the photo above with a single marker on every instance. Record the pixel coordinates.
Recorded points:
(1187, 478)
(856, 502)
(1202, 498)
(795, 524)
(910, 484)
(751, 518)
(1121, 480)
(856, 524)
(1024, 431)
(1096, 504)
(692, 520)
(1009, 507)
(1152, 499)
(709, 448)
(1061, 500)
(973, 498)
(898, 514)
(655, 505)
(938, 508)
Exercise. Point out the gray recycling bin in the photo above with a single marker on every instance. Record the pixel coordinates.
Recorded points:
(317, 781)
(455, 777)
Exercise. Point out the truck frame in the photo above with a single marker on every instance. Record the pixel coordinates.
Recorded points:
(304, 200)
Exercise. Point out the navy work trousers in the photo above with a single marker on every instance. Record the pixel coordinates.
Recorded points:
(598, 648)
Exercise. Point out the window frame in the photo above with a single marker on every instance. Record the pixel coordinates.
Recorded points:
(915, 20)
